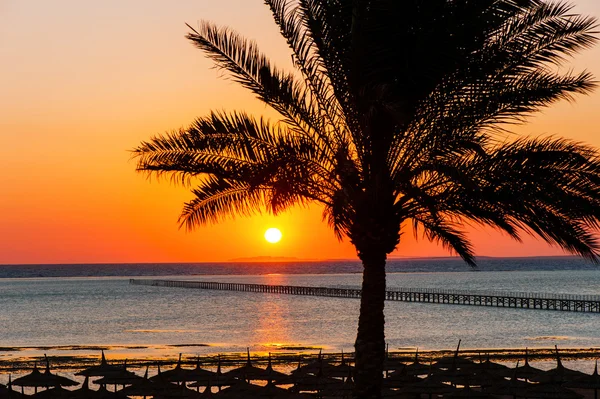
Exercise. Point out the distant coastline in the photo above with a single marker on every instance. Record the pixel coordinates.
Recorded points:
(255, 259)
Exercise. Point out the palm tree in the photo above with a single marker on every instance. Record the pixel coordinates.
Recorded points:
(398, 113)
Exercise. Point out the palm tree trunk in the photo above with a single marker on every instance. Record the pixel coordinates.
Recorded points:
(370, 341)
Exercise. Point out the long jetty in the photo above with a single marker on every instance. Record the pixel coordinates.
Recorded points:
(500, 299)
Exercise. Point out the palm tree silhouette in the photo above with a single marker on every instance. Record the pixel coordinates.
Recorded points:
(398, 113)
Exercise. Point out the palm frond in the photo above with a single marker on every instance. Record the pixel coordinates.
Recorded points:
(217, 199)
(252, 69)
(549, 187)
(449, 236)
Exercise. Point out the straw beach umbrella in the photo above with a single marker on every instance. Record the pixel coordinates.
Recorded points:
(249, 372)
(527, 372)
(101, 370)
(33, 379)
(341, 370)
(512, 387)
(86, 393)
(465, 377)
(390, 363)
(558, 375)
(7, 392)
(121, 377)
(320, 365)
(36, 379)
(400, 378)
(312, 383)
(493, 367)
(454, 361)
(416, 367)
(201, 377)
(146, 387)
(53, 393)
(177, 374)
(215, 379)
(587, 382)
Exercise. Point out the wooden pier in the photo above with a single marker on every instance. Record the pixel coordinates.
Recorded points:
(520, 300)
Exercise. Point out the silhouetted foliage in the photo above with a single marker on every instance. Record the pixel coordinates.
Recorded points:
(399, 114)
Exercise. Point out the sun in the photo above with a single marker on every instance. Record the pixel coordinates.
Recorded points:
(273, 235)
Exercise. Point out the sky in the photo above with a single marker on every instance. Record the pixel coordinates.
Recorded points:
(82, 83)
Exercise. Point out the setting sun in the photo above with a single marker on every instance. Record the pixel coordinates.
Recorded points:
(273, 235)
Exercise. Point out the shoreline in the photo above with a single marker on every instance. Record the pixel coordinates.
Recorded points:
(285, 359)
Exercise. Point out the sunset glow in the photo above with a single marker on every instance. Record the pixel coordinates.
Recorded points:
(85, 82)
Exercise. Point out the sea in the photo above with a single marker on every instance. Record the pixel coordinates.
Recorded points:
(74, 309)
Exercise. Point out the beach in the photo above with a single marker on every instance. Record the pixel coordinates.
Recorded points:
(433, 363)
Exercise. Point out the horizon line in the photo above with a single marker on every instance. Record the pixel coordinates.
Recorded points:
(288, 260)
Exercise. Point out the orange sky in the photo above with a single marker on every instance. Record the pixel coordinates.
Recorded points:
(83, 82)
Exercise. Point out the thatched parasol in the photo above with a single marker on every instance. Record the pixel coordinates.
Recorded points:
(454, 361)
(390, 363)
(53, 393)
(400, 378)
(205, 377)
(101, 370)
(492, 367)
(121, 376)
(248, 372)
(558, 375)
(527, 372)
(198, 374)
(177, 374)
(6, 392)
(512, 387)
(311, 383)
(36, 379)
(466, 377)
(319, 365)
(146, 387)
(86, 393)
(416, 367)
(587, 382)
(341, 370)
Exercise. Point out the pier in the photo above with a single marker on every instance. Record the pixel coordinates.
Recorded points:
(519, 300)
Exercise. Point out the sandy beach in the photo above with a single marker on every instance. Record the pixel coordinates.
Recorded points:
(579, 359)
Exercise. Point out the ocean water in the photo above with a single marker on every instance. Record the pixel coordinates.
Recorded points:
(75, 309)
